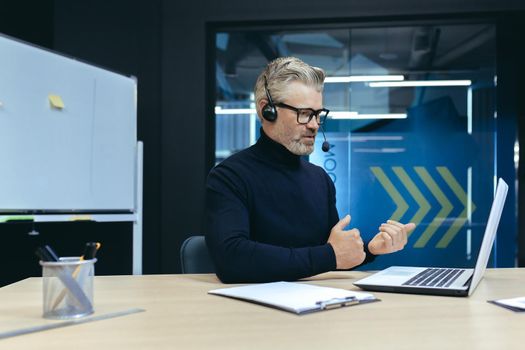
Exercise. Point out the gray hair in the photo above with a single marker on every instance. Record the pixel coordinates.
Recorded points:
(280, 72)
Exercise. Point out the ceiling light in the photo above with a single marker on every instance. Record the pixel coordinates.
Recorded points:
(219, 110)
(363, 78)
(358, 116)
(342, 115)
(382, 116)
(414, 83)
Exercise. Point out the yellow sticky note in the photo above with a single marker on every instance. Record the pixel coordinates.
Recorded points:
(56, 101)
(81, 218)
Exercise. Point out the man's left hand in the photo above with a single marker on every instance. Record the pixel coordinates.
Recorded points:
(392, 236)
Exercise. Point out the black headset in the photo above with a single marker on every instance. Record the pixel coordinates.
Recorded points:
(269, 112)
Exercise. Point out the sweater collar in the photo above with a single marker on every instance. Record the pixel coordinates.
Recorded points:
(274, 151)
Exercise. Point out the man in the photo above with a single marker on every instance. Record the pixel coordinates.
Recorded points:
(271, 215)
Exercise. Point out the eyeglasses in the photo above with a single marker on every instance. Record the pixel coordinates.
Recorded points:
(304, 115)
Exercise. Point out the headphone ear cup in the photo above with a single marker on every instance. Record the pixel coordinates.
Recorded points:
(269, 113)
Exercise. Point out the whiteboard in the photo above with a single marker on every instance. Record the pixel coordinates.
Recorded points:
(78, 158)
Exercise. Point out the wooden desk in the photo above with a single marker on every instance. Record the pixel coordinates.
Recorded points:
(181, 315)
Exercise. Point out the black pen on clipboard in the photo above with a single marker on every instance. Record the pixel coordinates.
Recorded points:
(337, 302)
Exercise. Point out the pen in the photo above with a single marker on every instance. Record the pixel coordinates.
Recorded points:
(43, 254)
(90, 251)
(337, 302)
(51, 253)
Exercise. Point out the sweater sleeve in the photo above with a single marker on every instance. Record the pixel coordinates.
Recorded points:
(238, 258)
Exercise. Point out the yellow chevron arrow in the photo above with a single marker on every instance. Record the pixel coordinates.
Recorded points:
(446, 207)
(462, 218)
(424, 206)
(402, 206)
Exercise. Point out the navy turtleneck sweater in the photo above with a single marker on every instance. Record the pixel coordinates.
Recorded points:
(269, 215)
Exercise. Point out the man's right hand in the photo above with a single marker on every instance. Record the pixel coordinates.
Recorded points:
(347, 245)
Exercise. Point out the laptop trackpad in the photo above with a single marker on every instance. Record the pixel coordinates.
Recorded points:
(395, 275)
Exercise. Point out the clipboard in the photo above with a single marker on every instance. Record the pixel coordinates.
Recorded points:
(298, 298)
(514, 304)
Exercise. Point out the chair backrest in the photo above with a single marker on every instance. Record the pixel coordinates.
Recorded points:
(194, 256)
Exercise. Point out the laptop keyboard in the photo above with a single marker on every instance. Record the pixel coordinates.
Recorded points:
(435, 277)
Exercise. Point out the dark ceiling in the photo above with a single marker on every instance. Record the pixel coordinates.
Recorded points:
(418, 52)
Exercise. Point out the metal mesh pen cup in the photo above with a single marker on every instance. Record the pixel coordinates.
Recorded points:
(68, 287)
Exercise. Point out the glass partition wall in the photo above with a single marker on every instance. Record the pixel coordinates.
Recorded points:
(412, 124)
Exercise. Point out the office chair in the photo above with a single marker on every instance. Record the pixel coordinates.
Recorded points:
(194, 256)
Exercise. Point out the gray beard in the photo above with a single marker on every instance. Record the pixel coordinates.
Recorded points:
(299, 148)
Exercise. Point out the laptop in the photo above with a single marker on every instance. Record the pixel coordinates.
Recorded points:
(441, 281)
